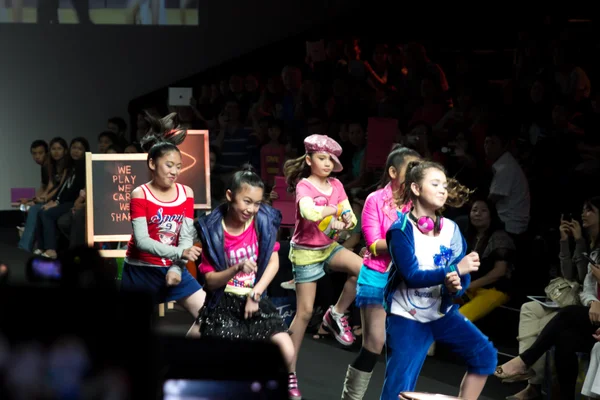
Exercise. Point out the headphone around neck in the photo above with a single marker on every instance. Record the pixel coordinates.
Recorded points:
(426, 224)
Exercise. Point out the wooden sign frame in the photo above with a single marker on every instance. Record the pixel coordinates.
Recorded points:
(191, 132)
(89, 202)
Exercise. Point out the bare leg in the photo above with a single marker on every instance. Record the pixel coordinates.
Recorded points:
(350, 263)
(373, 328)
(305, 299)
(285, 344)
(193, 304)
(472, 386)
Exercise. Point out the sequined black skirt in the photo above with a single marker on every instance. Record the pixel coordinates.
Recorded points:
(226, 320)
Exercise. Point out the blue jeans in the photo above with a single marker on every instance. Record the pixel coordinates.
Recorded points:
(48, 232)
(31, 223)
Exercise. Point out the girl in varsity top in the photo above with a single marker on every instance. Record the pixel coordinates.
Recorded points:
(379, 212)
(429, 270)
(239, 260)
(162, 213)
(322, 210)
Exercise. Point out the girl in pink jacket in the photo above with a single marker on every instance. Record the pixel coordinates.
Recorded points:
(379, 212)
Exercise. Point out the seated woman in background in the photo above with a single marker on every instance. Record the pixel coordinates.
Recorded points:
(57, 167)
(63, 201)
(571, 330)
(534, 317)
(490, 285)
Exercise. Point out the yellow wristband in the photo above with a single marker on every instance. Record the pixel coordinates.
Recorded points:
(373, 248)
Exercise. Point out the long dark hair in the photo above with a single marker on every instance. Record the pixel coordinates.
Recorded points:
(588, 204)
(163, 136)
(58, 167)
(496, 224)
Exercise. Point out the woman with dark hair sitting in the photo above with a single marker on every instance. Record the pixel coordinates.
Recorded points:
(490, 285)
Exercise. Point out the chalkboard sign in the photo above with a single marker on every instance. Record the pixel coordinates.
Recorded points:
(109, 182)
(196, 167)
(111, 178)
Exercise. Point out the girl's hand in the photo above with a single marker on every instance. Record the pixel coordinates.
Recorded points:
(470, 263)
(172, 279)
(247, 267)
(362, 252)
(251, 308)
(338, 225)
(596, 335)
(453, 283)
(273, 195)
(192, 254)
(347, 218)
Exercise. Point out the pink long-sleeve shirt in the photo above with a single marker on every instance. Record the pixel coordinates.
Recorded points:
(379, 212)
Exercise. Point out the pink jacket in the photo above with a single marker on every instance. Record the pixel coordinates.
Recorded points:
(379, 212)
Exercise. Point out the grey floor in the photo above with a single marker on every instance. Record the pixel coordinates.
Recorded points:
(322, 364)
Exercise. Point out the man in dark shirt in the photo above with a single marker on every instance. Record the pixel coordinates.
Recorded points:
(39, 150)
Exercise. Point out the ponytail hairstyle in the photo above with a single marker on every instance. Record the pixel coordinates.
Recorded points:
(163, 136)
(245, 175)
(396, 159)
(296, 169)
(458, 195)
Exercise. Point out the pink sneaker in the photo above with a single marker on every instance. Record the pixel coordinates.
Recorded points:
(339, 326)
(293, 391)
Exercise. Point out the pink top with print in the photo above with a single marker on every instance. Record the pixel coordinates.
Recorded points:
(237, 249)
(307, 233)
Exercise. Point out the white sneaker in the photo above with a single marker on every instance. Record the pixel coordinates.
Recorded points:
(289, 285)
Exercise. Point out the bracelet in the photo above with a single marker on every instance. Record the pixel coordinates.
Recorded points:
(345, 212)
(252, 296)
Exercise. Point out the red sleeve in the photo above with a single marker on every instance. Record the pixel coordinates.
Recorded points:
(302, 190)
(189, 208)
(205, 267)
(137, 208)
(276, 247)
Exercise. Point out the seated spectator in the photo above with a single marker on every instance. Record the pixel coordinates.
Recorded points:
(105, 140)
(569, 330)
(57, 166)
(39, 151)
(490, 285)
(119, 127)
(64, 199)
(133, 148)
(509, 189)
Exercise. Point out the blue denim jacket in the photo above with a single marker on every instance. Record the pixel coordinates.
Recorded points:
(210, 231)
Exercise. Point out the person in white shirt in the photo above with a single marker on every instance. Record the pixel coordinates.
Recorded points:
(429, 270)
(509, 190)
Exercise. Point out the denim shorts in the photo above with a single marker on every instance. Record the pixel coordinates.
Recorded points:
(314, 272)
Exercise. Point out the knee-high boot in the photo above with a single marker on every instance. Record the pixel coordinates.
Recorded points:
(356, 384)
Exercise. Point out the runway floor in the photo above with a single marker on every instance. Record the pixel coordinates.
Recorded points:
(322, 364)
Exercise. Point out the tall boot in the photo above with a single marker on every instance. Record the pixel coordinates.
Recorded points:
(356, 384)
